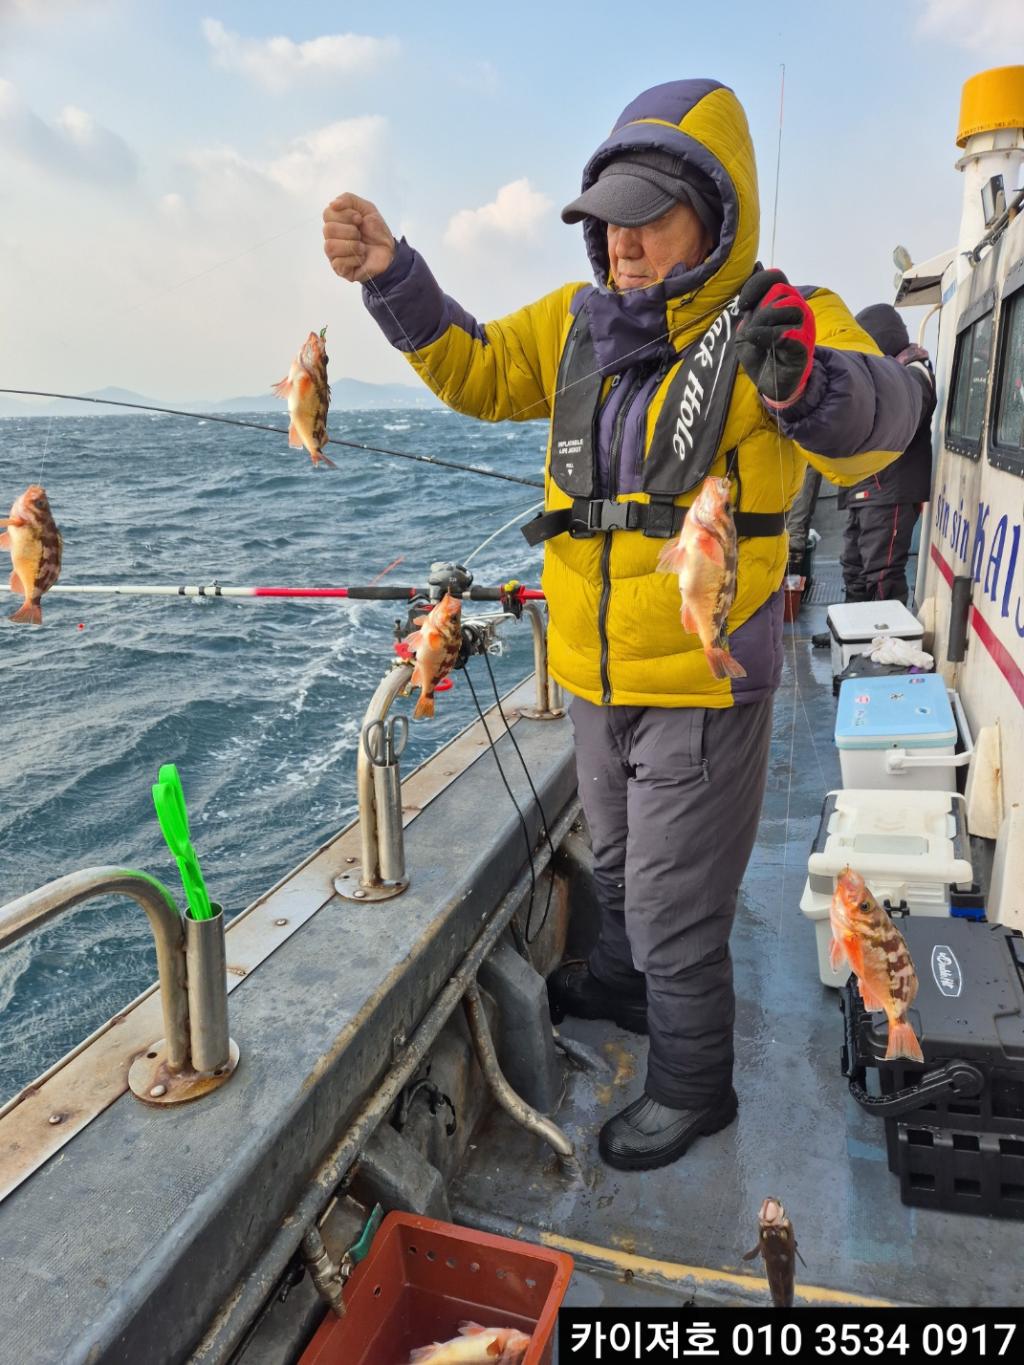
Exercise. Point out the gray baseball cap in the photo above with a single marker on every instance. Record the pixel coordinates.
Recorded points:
(639, 186)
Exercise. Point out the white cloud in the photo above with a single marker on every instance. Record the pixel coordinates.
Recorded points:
(279, 63)
(974, 24)
(319, 163)
(514, 214)
(74, 144)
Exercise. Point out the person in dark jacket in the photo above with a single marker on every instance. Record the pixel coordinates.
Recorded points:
(884, 507)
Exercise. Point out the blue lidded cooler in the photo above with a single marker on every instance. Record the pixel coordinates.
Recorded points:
(900, 733)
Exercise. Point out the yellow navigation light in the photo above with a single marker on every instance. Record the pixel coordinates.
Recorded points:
(990, 100)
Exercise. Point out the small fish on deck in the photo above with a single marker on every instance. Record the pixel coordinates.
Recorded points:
(36, 548)
(704, 558)
(776, 1243)
(436, 644)
(475, 1345)
(865, 937)
(309, 397)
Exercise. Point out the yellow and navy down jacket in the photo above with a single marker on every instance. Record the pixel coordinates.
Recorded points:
(615, 634)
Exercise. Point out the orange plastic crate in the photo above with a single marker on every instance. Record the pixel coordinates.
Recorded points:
(423, 1278)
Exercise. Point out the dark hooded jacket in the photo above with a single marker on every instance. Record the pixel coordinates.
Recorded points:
(908, 479)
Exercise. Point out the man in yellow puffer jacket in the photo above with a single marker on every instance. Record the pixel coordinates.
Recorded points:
(683, 359)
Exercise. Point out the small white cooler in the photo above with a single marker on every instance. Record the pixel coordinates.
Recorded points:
(899, 733)
(853, 625)
(910, 848)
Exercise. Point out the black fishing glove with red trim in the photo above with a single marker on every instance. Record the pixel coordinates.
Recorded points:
(775, 340)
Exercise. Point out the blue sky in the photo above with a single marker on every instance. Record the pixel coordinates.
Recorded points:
(163, 167)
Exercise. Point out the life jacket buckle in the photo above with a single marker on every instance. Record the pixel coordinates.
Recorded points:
(590, 515)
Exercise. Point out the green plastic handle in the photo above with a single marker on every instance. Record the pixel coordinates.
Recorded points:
(169, 800)
(360, 1249)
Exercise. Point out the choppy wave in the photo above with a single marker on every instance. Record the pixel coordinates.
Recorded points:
(259, 703)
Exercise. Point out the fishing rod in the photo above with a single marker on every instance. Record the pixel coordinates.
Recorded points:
(514, 592)
(278, 431)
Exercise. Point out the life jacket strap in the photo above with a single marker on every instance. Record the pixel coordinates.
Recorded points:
(660, 520)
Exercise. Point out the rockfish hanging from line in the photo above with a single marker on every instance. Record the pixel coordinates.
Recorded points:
(864, 936)
(36, 547)
(309, 397)
(437, 645)
(704, 558)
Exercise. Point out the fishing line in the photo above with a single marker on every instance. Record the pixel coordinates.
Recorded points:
(46, 447)
(533, 789)
(278, 431)
(494, 535)
(508, 788)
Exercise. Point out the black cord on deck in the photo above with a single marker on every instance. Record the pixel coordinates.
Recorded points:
(540, 807)
(279, 431)
(508, 788)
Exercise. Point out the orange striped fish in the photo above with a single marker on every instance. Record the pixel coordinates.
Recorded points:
(864, 936)
(36, 547)
(309, 397)
(704, 558)
(436, 645)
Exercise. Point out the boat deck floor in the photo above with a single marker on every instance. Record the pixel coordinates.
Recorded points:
(799, 1135)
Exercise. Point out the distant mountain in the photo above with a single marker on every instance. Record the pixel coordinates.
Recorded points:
(345, 394)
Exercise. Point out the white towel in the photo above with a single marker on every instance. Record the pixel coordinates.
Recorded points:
(890, 649)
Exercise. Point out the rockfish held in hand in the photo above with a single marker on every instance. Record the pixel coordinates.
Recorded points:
(476, 1346)
(704, 558)
(864, 936)
(36, 547)
(776, 1242)
(309, 397)
(436, 644)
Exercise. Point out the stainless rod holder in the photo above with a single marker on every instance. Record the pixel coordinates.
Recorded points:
(213, 1055)
(550, 704)
(166, 1073)
(381, 871)
(387, 791)
(206, 964)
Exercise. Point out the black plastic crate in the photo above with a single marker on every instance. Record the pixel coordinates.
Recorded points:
(943, 1168)
(954, 1126)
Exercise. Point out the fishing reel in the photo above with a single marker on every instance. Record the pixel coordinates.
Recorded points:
(444, 578)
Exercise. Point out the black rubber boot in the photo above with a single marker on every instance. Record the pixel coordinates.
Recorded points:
(572, 990)
(822, 641)
(647, 1134)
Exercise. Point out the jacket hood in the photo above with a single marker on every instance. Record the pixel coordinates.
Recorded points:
(702, 122)
(885, 327)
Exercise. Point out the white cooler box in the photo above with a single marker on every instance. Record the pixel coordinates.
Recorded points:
(910, 848)
(899, 733)
(853, 625)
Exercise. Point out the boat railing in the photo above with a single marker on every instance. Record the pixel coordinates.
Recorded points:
(381, 872)
(195, 1055)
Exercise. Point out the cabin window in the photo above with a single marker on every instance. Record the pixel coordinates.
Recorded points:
(1006, 441)
(970, 381)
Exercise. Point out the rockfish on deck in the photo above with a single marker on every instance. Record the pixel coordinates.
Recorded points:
(476, 1346)
(309, 397)
(436, 645)
(704, 558)
(36, 547)
(864, 936)
(776, 1242)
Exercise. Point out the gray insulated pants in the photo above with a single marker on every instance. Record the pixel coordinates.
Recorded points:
(672, 797)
